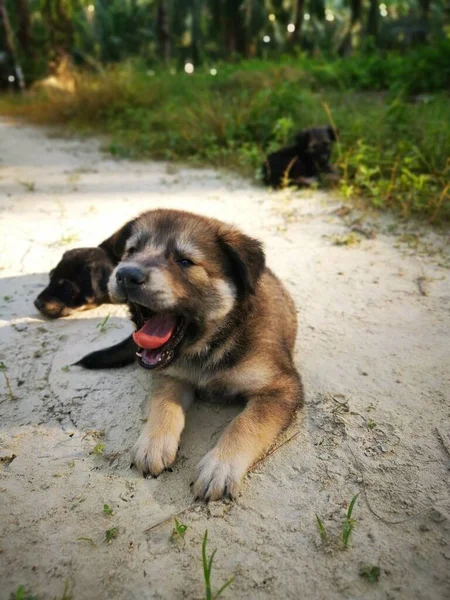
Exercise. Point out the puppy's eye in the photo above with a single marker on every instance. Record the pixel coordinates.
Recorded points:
(184, 262)
(131, 250)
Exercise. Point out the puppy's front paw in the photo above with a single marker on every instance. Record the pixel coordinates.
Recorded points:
(152, 454)
(218, 477)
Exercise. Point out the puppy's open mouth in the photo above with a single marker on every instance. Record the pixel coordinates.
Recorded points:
(158, 338)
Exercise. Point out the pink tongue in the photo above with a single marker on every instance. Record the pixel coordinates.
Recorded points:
(155, 332)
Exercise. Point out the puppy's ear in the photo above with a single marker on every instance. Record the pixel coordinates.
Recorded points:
(114, 246)
(332, 133)
(302, 139)
(246, 260)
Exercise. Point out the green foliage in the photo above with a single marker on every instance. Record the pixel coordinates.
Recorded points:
(95, 33)
(103, 326)
(107, 510)
(98, 449)
(349, 522)
(22, 594)
(371, 573)
(392, 152)
(321, 526)
(111, 534)
(179, 530)
(207, 568)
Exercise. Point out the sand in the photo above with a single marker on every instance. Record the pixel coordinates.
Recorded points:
(373, 349)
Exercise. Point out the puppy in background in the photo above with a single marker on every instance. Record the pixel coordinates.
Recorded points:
(211, 319)
(303, 162)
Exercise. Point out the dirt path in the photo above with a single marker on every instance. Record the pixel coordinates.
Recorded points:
(374, 351)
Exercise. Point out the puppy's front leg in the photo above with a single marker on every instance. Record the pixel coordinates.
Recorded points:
(157, 445)
(246, 438)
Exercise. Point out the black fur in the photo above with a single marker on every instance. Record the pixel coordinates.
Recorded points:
(80, 278)
(302, 162)
(119, 355)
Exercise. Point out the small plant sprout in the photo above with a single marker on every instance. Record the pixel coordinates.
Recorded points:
(103, 326)
(65, 368)
(349, 523)
(66, 240)
(207, 568)
(350, 239)
(179, 529)
(67, 593)
(322, 530)
(372, 574)
(30, 186)
(371, 424)
(3, 369)
(98, 449)
(22, 594)
(111, 534)
(107, 510)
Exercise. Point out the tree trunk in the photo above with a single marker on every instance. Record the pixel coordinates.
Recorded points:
(61, 30)
(24, 31)
(299, 11)
(354, 28)
(373, 20)
(195, 32)
(234, 30)
(425, 18)
(163, 31)
(7, 30)
(9, 46)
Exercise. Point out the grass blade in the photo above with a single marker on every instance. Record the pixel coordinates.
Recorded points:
(352, 504)
(223, 588)
(322, 530)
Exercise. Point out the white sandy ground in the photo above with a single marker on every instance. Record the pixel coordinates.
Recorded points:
(373, 349)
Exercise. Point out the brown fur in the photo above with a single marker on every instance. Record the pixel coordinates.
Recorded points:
(240, 330)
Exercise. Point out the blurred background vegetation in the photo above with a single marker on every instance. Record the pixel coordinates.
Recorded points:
(224, 81)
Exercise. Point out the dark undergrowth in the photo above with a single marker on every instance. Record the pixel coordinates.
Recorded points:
(392, 115)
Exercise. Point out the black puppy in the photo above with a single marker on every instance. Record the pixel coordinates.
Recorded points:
(301, 163)
(80, 280)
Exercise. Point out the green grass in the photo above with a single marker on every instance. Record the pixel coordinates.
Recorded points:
(107, 510)
(371, 573)
(98, 449)
(321, 526)
(207, 568)
(111, 534)
(349, 522)
(392, 151)
(179, 529)
(103, 326)
(22, 593)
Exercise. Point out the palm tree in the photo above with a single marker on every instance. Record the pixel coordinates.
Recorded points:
(354, 27)
(24, 26)
(163, 30)
(10, 47)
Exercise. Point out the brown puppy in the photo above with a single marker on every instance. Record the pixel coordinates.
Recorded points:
(211, 317)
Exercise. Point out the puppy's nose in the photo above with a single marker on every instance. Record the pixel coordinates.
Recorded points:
(39, 304)
(130, 277)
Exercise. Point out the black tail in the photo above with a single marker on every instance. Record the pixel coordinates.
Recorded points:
(119, 355)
